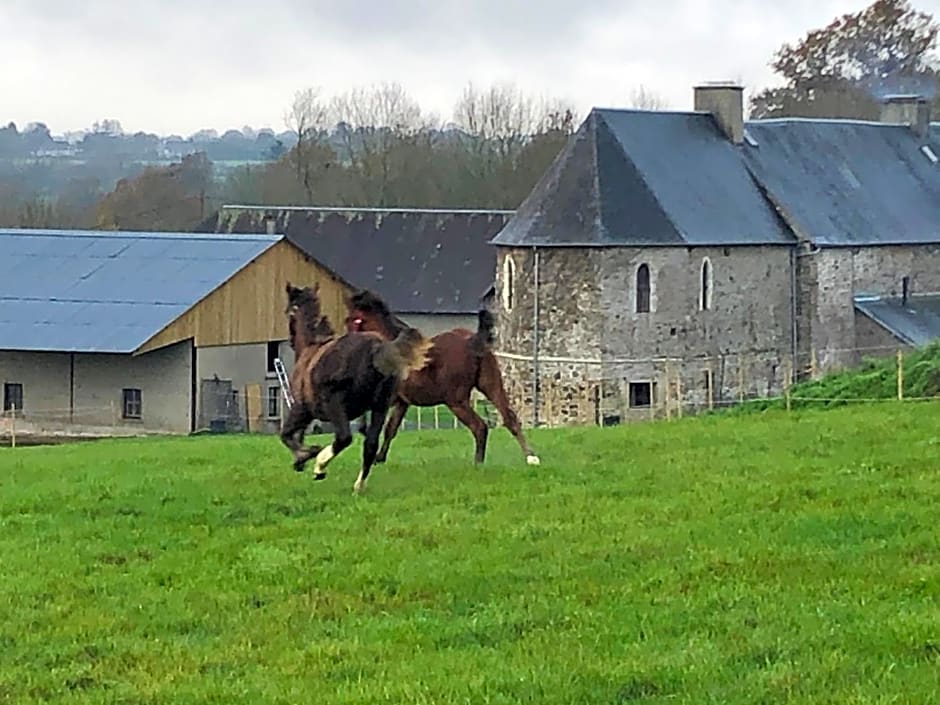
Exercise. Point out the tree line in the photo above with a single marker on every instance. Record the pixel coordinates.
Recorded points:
(375, 145)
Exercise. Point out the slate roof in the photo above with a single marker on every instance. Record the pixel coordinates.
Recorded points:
(917, 323)
(645, 178)
(849, 183)
(85, 291)
(420, 261)
(642, 178)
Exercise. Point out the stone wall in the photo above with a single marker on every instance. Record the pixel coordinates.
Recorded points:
(593, 343)
(830, 278)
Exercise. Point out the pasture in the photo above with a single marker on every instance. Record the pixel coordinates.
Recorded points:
(769, 558)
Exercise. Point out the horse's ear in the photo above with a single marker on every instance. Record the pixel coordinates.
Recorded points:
(288, 288)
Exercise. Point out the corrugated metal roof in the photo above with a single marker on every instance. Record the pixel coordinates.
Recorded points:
(419, 261)
(917, 323)
(646, 178)
(87, 291)
(849, 183)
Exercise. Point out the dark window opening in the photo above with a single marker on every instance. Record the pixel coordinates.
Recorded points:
(641, 394)
(132, 407)
(12, 396)
(643, 289)
(274, 351)
(274, 402)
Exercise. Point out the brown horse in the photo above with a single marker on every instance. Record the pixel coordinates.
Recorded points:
(340, 378)
(460, 360)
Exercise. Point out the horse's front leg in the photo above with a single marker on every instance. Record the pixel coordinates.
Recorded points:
(342, 439)
(292, 435)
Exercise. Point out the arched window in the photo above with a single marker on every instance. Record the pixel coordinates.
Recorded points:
(509, 282)
(705, 295)
(643, 289)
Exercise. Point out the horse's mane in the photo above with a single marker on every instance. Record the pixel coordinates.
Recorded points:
(304, 303)
(367, 302)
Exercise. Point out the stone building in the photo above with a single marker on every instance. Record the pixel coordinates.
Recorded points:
(693, 255)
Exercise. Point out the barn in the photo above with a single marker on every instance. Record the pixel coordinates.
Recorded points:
(434, 267)
(133, 332)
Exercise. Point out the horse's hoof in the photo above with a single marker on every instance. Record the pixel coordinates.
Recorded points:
(359, 487)
(532, 459)
(299, 467)
(319, 476)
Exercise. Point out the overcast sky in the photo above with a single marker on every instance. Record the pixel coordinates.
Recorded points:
(181, 65)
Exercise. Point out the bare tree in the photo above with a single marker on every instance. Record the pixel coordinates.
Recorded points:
(642, 98)
(374, 123)
(307, 117)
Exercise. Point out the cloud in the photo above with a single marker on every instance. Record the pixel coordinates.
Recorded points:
(181, 65)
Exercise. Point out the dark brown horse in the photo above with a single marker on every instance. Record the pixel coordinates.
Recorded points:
(460, 360)
(338, 378)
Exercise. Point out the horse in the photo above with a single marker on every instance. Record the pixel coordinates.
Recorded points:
(338, 378)
(460, 361)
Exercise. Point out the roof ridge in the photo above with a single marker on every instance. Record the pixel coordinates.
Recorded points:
(138, 235)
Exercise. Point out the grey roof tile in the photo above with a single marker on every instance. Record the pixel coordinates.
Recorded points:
(86, 291)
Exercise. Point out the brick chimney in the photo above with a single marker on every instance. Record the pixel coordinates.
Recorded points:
(724, 100)
(911, 110)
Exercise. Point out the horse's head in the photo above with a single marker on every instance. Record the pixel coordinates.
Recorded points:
(306, 324)
(369, 313)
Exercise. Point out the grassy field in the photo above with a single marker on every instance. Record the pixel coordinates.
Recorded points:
(758, 559)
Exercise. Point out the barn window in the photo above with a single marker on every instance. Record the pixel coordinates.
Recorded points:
(12, 396)
(509, 282)
(274, 402)
(643, 289)
(274, 350)
(705, 293)
(641, 395)
(132, 406)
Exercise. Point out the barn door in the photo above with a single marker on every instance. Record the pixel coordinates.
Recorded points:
(219, 408)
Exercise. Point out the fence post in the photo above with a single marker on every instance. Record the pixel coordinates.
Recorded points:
(13, 426)
(710, 382)
(812, 363)
(668, 391)
(419, 417)
(740, 377)
(113, 418)
(900, 375)
(679, 391)
(788, 380)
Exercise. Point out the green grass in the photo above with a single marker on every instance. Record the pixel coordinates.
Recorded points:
(761, 560)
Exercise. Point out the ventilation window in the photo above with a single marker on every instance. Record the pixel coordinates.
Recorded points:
(132, 407)
(274, 402)
(509, 276)
(643, 289)
(929, 153)
(641, 395)
(274, 350)
(12, 396)
(705, 293)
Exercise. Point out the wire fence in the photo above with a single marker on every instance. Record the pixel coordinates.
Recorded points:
(562, 391)
(556, 392)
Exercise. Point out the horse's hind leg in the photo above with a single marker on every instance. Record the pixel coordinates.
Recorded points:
(490, 382)
(395, 418)
(369, 448)
(477, 426)
(292, 435)
(342, 439)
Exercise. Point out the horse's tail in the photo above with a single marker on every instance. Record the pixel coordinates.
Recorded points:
(484, 337)
(406, 354)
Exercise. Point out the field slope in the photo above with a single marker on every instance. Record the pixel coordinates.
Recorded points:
(754, 559)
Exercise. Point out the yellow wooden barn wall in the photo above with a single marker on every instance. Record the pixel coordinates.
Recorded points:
(249, 307)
